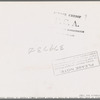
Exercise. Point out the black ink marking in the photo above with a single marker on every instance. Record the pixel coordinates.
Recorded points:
(75, 24)
(75, 16)
(75, 30)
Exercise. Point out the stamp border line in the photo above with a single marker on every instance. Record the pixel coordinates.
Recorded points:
(77, 55)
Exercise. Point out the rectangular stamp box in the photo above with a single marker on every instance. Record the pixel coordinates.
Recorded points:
(76, 63)
(69, 24)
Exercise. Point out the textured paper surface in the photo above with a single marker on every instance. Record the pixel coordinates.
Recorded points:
(39, 40)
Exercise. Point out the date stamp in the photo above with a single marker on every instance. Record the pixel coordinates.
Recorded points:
(76, 63)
